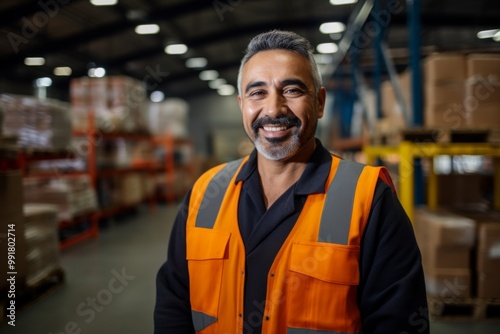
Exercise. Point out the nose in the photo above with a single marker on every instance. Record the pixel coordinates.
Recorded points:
(275, 105)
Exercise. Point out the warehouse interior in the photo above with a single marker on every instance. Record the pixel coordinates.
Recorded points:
(111, 109)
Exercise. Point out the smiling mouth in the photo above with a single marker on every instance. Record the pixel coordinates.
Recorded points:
(274, 128)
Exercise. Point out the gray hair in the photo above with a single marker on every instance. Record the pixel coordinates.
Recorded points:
(281, 40)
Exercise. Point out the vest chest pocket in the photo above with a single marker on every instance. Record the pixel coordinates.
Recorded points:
(321, 287)
(205, 253)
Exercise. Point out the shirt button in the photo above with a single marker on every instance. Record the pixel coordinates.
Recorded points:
(267, 317)
(242, 272)
(240, 315)
(272, 274)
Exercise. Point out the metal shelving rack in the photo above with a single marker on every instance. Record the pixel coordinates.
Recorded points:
(411, 174)
(408, 151)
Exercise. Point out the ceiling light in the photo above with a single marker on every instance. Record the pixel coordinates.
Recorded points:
(147, 29)
(98, 72)
(43, 82)
(62, 71)
(209, 75)
(34, 61)
(327, 48)
(332, 27)
(157, 96)
(496, 38)
(226, 90)
(215, 84)
(487, 33)
(196, 62)
(176, 49)
(104, 2)
(342, 2)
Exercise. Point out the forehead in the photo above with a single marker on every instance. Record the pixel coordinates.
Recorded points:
(277, 64)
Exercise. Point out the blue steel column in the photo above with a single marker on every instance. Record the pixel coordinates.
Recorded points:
(377, 74)
(416, 87)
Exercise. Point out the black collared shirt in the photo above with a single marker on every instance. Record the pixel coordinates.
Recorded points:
(391, 294)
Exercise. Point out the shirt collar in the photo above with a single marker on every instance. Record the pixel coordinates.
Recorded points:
(311, 181)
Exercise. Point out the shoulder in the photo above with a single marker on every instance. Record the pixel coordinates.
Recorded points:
(220, 173)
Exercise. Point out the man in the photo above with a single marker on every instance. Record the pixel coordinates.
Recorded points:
(290, 239)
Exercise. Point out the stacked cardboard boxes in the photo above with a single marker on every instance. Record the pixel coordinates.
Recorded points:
(393, 117)
(42, 243)
(444, 90)
(72, 195)
(118, 103)
(488, 259)
(12, 229)
(462, 91)
(482, 101)
(169, 117)
(446, 241)
(486, 266)
(37, 123)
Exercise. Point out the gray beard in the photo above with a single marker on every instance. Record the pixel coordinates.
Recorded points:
(279, 150)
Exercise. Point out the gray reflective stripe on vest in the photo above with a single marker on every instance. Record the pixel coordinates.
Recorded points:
(201, 320)
(337, 211)
(214, 194)
(312, 331)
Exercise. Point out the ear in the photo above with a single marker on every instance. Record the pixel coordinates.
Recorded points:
(321, 101)
(240, 102)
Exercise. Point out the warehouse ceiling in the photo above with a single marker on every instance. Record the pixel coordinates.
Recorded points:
(79, 35)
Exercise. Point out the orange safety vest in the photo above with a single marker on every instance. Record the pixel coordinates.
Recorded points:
(312, 283)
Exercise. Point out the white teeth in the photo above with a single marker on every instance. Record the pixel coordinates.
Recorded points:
(275, 128)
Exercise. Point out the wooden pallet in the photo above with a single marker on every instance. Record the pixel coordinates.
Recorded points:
(475, 309)
(29, 295)
(447, 135)
(42, 152)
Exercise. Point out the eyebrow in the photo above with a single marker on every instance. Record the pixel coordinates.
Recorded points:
(294, 82)
(254, 84)
(286, 82)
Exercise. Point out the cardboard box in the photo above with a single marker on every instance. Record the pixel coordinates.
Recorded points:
(486, 66)
(444, 105)
(478, 92)
(446, 257)
(42, 242)
(489, 236)
(444, 228)
(488, 263)
(444, 67)
(448, 284)
(11, 208)
(460, 190)
(488, 286)
(484, 115)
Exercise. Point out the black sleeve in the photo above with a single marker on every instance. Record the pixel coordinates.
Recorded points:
(392, 297)
(173, 310)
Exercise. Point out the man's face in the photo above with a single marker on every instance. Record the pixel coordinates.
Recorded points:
(279, 104)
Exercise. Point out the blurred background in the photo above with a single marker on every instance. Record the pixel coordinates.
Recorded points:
(110, 110)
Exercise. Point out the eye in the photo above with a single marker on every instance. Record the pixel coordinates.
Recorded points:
(292, 91)
(257, 93)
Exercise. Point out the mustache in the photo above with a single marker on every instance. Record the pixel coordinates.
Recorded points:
(286, 120)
